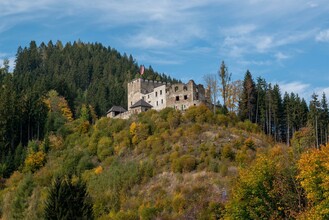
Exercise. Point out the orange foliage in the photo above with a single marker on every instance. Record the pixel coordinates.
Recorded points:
(98, 170)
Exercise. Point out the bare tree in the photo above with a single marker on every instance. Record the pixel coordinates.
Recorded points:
(212, 86)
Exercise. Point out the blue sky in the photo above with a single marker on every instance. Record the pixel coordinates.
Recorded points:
(284, 41)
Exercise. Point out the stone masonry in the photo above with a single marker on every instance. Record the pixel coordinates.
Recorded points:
(160, 95)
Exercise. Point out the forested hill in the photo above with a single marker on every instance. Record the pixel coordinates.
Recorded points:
(77, 75)
(81, 72)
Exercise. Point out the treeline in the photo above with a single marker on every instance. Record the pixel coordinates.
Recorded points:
(281, 116)
(84, 74)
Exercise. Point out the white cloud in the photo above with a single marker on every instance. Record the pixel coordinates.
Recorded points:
(304, 90)
(147, 41)
(323, 36)
(281, 56)
(295, 87)
(264, 43)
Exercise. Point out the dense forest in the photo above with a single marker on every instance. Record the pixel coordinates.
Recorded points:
(257, 155)
(88, 75)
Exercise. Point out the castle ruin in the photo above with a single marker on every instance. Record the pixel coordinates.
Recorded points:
(146, 94)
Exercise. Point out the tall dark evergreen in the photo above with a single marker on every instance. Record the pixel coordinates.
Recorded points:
(247, 105)
(276, 104)
(324, 120)
(314, 117)
(67, 200)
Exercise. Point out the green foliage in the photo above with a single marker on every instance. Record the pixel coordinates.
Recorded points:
(68, 200)
(147, 212)
(302, 140)
(113, 184)
(198, 114)
(171, 171)
(20, 200)
(227, 152)
(267, 189)
(186, 163)
(104, 148)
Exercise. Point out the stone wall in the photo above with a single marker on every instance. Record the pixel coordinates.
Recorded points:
(161, 95)
(139, 88)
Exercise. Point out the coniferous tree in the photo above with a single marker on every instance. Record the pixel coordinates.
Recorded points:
(276, 111)
(314, 116)
(67, 200)
(324, 120)
(247, 105)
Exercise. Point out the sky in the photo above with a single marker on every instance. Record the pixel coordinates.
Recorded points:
(283, 41)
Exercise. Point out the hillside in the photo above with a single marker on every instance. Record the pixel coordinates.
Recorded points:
(84, 74)
(164, 164)
(260, 155)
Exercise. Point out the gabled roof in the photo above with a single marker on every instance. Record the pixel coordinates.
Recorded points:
(116, 109)
(141, 103)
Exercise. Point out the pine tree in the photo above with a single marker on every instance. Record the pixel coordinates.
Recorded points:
(247, 105)
(314, 116)
(324, 120)
(68, 201)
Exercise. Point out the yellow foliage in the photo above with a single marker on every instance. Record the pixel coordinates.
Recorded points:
(139, 132)
(179, 203)
(65, 109)
(132, 129)
(34, 161)
(314, 176)
(98, 170)
(56, 103)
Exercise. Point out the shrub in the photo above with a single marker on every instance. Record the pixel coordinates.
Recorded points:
(186, 163)
(104, 148)
(147, 212)
(249, 143)
(227, 152)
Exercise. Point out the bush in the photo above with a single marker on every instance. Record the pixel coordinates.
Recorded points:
(198, 114)
(250, 143)
(148, 212)
(104, 148)
(186, 163)
(227, 152)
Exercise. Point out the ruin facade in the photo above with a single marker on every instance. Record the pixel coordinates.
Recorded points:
(146, 94)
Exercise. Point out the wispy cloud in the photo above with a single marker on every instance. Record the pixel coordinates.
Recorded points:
(248, 34)
(281, 56)
(323, 36)
(300, 88)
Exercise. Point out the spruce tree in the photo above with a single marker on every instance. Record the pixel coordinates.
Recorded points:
(67, 200)
(247, 105)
